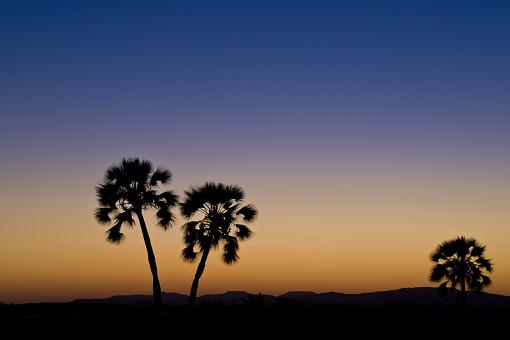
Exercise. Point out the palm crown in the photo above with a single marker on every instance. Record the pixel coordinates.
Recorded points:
(461, 261)
(131, 187)
(221, 220)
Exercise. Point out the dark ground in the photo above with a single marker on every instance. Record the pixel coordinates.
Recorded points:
(69, 320)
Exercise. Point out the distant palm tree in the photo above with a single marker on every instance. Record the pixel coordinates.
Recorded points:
(127, 189)
(219, 208)
(461, 262)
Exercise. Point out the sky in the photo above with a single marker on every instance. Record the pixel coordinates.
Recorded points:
(365, 132)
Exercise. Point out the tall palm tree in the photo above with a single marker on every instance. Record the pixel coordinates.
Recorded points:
(219, 209)
(128, 189)
(461, 262)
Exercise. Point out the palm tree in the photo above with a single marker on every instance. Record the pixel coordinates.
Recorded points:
(130, 188)
(219, 209)
(461, 262)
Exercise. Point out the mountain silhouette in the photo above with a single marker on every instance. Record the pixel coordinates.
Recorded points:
(169, 299)
(414, 296)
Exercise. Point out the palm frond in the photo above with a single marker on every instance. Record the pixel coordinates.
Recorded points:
(143, 172)
(188, 253)
(165, 217)
(189, 238)
(230, 249)
(134, 173)
(107, 194)
(114, 235)
(486, 281)
(190, 226)
(193, 201)
(243, 232)
(249, 212)
(234, 192)
(190, 232)
(485, 263)
(113, 173)
(150, 198)
(231, 206)
(215, 194)
(126, 217)
(437, 255)
(216, 238)
(102, 214)
(477, 250)
(162, 176)
(167, 197)
(469, 242)
(439, 271)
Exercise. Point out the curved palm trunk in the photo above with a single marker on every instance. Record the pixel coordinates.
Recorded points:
(156, 288)
(198, 275)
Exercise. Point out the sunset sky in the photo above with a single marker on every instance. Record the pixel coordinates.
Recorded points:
(365, 132)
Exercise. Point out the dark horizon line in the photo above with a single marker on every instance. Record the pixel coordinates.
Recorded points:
(254, 293)
(307, 292)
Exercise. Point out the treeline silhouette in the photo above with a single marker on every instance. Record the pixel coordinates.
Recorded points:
(216, 217)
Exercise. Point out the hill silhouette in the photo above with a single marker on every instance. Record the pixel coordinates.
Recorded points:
(416, 296)
(169, 299)
(412, 296)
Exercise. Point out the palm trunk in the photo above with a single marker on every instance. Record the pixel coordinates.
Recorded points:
(156, 288)
(463, 294)
(198, 275)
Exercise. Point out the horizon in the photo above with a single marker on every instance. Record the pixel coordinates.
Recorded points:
(365, 133)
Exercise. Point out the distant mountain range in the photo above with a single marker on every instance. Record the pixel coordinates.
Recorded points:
(414, 296)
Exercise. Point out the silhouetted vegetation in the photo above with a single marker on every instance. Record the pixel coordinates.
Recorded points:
(128, 189)
(220, 210)
(461, 262)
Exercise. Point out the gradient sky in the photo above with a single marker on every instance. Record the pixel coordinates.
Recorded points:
(365, 133)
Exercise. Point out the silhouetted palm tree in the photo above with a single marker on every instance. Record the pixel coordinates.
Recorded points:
(461, 262)
(127, 189)
(219, 208)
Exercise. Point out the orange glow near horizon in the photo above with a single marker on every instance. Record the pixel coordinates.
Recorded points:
(346, 232)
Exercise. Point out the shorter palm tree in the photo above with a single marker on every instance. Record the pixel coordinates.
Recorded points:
(461, 262)
(219, 208)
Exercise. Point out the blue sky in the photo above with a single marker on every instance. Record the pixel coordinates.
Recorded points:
(327, 67)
